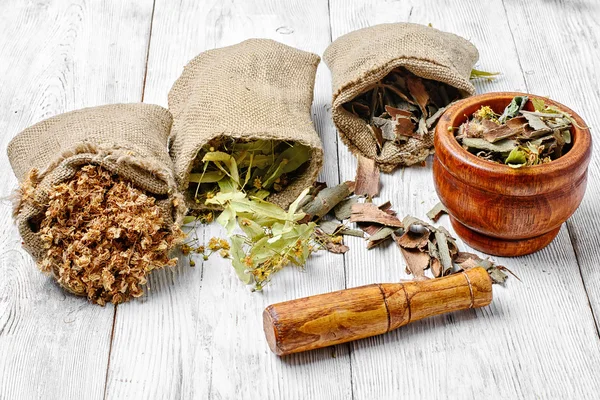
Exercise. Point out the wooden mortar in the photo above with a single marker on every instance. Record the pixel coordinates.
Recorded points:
(338, 317)
(500, 210)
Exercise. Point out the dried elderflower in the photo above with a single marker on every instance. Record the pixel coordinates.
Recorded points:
(103, 236)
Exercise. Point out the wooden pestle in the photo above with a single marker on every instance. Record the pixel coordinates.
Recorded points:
(338, 317)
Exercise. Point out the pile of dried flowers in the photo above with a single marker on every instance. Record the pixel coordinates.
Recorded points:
(103, 236)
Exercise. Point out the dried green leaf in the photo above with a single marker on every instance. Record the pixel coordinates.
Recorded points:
(289, 160)
(534, 121)
(538, 104)
(227, 219)
(329, 227)
(352, 232)
(237, 259)
(516, 158)
(503, 146)
(478, 74)
(513, 109)
(441, 240)
(206, 177)
(344, 209)
(253, 230)
(379, 237)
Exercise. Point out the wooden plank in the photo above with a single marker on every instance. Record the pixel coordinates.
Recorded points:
(562, 66)
(57, 56)
(519, 347)
(198, 334)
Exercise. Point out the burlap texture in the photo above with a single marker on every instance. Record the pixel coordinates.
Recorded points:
(257, 89)
(363, 57)
(127, 139)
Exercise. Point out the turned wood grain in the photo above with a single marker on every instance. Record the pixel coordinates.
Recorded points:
(497, 205)
(328, 319)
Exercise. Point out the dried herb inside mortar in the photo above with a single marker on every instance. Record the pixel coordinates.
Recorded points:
(517, 137)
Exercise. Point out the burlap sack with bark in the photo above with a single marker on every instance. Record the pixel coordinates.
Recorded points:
(363, 57)
(127, 139)
(257, 89)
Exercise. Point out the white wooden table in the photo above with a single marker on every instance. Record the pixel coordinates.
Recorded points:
(198, 332)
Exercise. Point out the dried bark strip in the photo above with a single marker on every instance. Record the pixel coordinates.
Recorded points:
(367, 177)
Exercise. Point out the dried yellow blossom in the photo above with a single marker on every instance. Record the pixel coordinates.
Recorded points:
(103, 236)
(224, 244)
(337, 239)
(214, 244)
(486, 112)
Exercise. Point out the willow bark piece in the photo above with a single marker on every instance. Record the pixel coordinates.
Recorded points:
(326, 199)
(367, 177)
(436, 212)
(369, 212)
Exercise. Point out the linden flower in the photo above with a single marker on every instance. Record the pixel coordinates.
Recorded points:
(224, 244)
(257, 183)
(103, 236)
(337, 240)
(224, 253)
(214, 244)
(486, 112)
(185, 249)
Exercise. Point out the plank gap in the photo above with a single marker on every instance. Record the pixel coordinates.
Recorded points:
(110, 346)
(148, 50)
(569, 229)
(514, 42)
(585, 288)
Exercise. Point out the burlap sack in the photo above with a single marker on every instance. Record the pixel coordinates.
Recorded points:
(363, 57)
(127, 139)
(257, 89)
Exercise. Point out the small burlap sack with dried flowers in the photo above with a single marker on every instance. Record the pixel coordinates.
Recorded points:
(359, 59)
(257, 89)
(127, 141)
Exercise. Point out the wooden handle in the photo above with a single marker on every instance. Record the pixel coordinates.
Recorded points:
(338, 317)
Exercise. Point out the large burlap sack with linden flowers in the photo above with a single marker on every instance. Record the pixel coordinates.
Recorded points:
(97, 192)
